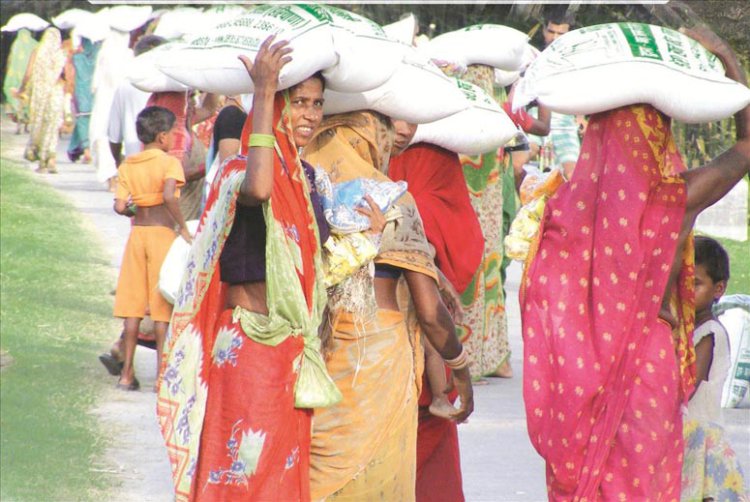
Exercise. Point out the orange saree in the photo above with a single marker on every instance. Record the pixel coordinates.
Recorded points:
(602, 385)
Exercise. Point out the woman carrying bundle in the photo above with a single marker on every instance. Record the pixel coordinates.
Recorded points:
(364, 448)
(45, 89)
(607, 302)
(242, 368)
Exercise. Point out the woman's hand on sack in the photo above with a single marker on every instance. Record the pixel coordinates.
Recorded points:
(461, 380)
(269, 61)
(707, 38)
(376, 216)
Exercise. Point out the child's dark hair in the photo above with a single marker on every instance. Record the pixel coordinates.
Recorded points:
(710, 254)
(151, 121)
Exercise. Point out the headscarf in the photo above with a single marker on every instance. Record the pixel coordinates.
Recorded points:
(294, 288)
(354, 145)
(437, 183)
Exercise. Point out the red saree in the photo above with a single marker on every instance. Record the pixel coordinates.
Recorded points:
(602, 385)
(436, 181)
(229, 399)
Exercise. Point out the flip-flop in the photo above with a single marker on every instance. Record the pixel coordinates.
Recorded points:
(134, 385)
(114, 367)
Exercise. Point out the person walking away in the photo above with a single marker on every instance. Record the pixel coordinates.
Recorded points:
(147, 191)
(606, 304)
(19, 56)
(45, 89)
(84, 62)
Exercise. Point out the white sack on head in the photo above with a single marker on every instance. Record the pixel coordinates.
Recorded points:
(210, 63)
(93, 27)
(599, 68)
(183, 21)
(146, 76)
(488, 44)
(402, 30)
(128, 17)
(366, 56)
(417, 92)
(71, 18)
(481, 128)
(25, 20)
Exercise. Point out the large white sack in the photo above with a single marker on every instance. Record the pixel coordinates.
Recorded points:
(366, 56)
(488, 44)
(183, 21)
(417, 92)
(210, 61)
(607, 66)
(174, 265)
(402, 30)
(71, 18)
(128, 17)
(25, 20)
(94, 27)
(144, 74)
(481, 128)
(734, 314)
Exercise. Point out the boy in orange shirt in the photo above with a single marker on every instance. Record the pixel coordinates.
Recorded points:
(147, 190)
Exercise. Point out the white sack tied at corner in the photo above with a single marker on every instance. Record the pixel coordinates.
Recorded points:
(144, 74)
(602, 67)
(25, 20)
(481, 128)
(417, 92)
(488, 44)
(402, 30)
(366, 56)
(505, 78)
(209, 61)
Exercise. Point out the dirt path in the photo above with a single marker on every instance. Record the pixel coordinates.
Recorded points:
(135, 459)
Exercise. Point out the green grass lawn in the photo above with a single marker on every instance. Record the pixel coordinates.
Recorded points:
(56, 316)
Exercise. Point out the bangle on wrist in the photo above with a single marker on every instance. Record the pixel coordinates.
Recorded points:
(261, 140)
(460, 362)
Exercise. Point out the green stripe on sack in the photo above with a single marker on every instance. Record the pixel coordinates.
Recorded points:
(641, 41)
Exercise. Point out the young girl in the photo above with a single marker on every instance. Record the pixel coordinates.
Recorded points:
(710, 468)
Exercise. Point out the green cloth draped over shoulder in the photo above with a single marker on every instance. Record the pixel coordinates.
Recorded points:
(288, 316)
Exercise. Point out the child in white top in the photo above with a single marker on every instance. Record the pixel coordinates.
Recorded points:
(710, 338)
(710, 470)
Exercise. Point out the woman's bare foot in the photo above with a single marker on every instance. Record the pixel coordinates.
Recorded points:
(504, 370)
(441, 407)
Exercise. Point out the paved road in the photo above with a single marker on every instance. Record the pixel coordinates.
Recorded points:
(498, 462)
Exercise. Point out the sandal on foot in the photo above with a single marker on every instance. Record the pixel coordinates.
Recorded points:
(113, 365)
(134, 385)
